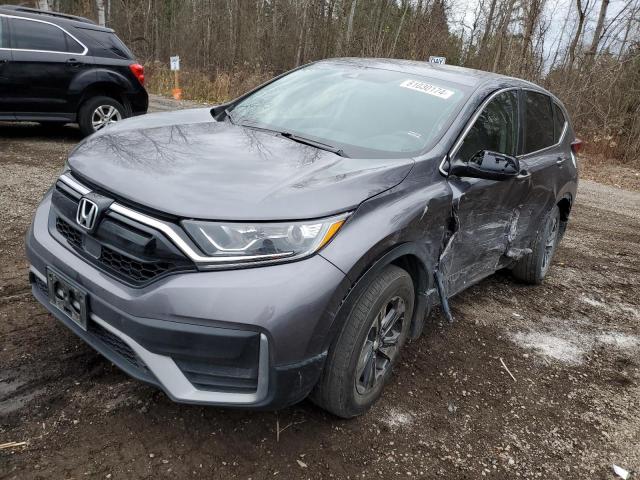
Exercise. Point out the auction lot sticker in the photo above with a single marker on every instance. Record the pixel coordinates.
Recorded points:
(427, 88)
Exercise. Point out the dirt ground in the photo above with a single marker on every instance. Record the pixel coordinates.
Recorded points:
(571, 410)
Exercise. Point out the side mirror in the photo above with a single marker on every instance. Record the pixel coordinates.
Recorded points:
(488, 165)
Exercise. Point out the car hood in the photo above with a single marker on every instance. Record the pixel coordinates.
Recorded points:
(184, 163)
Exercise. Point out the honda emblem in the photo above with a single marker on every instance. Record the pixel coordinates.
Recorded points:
(87, 214)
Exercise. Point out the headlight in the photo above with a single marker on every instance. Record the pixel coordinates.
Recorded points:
(227, 242)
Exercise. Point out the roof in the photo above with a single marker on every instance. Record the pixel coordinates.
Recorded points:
(448, 73)
(56, 18)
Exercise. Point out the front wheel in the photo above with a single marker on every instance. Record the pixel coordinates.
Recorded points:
(360, 362)
(98, 113)
(534, 267)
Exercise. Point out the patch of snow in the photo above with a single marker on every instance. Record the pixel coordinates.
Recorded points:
(550, 345)
(397, 418)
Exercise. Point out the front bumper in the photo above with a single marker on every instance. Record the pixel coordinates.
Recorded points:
(254, 337)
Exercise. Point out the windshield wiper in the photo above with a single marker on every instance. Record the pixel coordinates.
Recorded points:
(293, 137)
(313, 143)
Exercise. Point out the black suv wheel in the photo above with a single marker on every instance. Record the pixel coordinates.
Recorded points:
(99, 112)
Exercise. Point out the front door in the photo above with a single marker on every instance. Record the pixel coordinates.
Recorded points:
(485, 211)
(45, 61)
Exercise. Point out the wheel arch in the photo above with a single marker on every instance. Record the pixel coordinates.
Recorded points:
(408, 256)
(107, 89)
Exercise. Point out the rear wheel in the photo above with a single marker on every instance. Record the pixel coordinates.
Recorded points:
(98, 113)
(534, 267)
(360, 362)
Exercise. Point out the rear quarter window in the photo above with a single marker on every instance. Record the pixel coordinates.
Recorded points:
(539, 125)
(106, 44)
(558, 122)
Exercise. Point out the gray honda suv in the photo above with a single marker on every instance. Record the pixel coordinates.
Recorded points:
(290, 242)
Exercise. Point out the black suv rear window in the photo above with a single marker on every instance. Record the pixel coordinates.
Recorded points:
(106, 44)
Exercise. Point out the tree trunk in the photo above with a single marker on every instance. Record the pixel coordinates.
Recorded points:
(395, 40)
(352, 14)
(101, 13)
(301, 38)
(488, 26)
(44, 5)
(576, 38)
(599, 26)
(506, 20)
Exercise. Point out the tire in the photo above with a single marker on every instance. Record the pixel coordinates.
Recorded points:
(106, 105)
(359, 363)
(534, 267)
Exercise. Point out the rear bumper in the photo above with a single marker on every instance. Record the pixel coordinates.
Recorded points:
(139, 102)
(252, 338)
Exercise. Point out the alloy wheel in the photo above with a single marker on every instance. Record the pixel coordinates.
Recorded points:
(380, 345)
(550, 244)
(105, 115)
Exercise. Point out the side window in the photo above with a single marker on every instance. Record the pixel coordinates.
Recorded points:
(496, 129)
(558, 123)
(72, 45)
(4, 34)
(28, 35)
(538, 122)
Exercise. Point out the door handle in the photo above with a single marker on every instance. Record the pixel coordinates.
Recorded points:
(73, 62)
(561, 160)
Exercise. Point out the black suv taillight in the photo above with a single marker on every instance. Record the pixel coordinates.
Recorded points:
(138, 71)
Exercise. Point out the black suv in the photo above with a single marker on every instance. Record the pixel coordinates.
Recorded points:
(57, 68)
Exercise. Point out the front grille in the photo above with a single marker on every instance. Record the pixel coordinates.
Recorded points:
(70, 234)
(132, 252)
(140, 271)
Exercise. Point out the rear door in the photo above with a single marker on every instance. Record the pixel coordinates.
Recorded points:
(5, 57)
(545, 155)
(45, 60)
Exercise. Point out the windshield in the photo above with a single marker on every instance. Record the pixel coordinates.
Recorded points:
(363, 111)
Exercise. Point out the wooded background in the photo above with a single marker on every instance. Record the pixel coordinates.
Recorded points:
(589, 55)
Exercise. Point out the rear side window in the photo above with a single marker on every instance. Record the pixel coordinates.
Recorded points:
(106, 44)
(3, 42)
(496, 129)
(558, 122)
(538, 122)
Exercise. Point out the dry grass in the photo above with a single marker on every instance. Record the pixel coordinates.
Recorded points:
(610, 171)
(212, 88)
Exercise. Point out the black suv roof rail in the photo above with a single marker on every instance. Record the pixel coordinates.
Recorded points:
(18, 8)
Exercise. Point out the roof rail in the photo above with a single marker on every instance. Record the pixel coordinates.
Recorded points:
(18, 8)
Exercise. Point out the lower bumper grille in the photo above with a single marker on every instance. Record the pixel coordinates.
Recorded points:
(116, 345)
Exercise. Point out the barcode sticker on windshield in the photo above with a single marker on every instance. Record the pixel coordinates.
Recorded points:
(427, 88)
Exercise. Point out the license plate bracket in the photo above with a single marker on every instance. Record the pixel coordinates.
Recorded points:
(68, 297)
